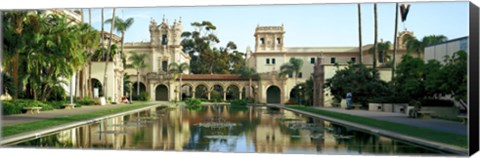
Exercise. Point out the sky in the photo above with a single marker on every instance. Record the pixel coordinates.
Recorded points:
(306, 25)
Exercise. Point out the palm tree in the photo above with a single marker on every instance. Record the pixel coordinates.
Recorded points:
(360, 49)
(292, 67)
(376, 36)
(395, 42)
(121, 26)
(138, 63)
(89, 81)
(414, 45)
(382, 49)
(108, 54)
(177, 70)
(89, 39)
(14, 40)
(249, 73)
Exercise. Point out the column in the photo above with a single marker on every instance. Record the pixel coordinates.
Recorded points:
(224, 95)
(240, 93)
(208, 94)
(154, 61)
(193, 94)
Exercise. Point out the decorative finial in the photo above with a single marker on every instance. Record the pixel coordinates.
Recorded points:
(180, 19)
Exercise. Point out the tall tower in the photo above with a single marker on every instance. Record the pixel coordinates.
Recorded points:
(165, 43)
(269, 38)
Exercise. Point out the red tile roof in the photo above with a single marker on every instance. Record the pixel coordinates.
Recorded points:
(213, 77)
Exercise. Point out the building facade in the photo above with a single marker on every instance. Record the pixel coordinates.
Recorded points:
(270, 54)
(163, 49)
(439, 51)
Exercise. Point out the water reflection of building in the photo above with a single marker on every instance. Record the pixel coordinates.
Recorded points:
(263, 130)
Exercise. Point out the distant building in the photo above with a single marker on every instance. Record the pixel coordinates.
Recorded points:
(72, 14)
(163, 49)
(270, 54)
(439, 51)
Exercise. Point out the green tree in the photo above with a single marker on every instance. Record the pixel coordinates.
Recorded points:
(409, 78)
(206, 58)
(89, 40)
(375, 46)
(51, 51)
(121, 26)
(292, 67)
(364, 83)
(455, 77)
(434, 78)
(15, 38)
(177, 70)
(105, 77)
(249, 73)
(416, 46)
(360, 47)
(138, 63)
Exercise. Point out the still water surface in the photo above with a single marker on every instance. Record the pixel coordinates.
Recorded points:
(220, 128)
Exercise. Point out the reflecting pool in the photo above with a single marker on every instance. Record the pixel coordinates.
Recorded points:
(223, 128)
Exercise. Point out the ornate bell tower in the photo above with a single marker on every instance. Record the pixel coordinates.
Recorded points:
(165, 43)
(269, 38)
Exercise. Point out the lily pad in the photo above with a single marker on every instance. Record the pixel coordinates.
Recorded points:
(220, 137)
(113, 132)
(343, 136)
(216, 125)
(316, 136)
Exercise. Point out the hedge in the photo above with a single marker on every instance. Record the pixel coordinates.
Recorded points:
(239, 103)
(16, 107)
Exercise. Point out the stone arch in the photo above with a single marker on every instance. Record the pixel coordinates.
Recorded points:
(217, 92)
(201, 91)
(142, 88)
(297, 94)
(161, 92)
(187, 91)
(246, 92)
(274, 94)
(96, 83)
(233, 92)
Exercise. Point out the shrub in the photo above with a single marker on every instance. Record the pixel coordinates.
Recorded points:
(114, 102)
(290, 102)
(16, 106)
(85, 102)
(389, 99)
(10, 108)
(143, 96)
(58, 93)
(437, 102)
(193, 102)
(57, 104)
(216, 96)
(239, 102)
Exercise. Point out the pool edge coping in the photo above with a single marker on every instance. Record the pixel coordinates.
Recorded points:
(373, 130)
(42, 132)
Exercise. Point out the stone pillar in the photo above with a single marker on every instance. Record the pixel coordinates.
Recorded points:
(193, 94)
(240, 91)
(208, 95)
(318, 79)
(224, 95)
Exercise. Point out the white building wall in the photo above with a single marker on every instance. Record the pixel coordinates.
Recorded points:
(98, 69)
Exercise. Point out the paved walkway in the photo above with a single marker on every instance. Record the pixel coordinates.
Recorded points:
(435, 124)
(43, 115)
